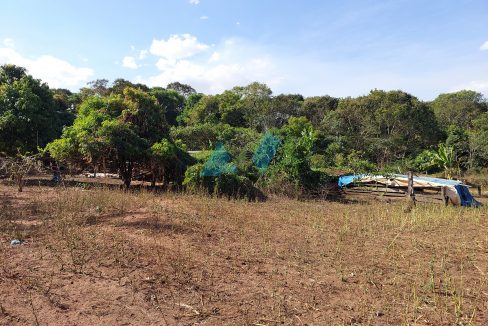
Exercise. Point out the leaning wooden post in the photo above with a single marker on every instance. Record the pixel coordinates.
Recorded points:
(479, 190)
(410, 190)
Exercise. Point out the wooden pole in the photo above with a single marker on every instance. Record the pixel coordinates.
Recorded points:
(445, 199)
(410, 190)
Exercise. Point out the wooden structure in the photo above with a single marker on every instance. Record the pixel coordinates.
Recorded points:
(407, 187)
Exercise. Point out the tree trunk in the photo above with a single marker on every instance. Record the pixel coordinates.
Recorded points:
(127, 182)
(126, 173)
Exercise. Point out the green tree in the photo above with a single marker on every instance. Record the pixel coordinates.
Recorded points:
(29, 116)
(145, 116)
(190, 103)
(114, 130)
(458, 139)
(315, 108)
(231, 109)
(256, 99)
(66, 105)
(182, 89)
(459, 109)
(386, 126)
(162, 155)
(120, 84)
(171, 101)
(98, 87)
(125, 147)
(479, 140)
(280, 109)
(206, 110)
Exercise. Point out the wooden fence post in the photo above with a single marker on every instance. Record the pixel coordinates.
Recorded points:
(445, 199)
(410, 190)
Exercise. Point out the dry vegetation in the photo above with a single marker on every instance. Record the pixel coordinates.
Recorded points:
(105, 257)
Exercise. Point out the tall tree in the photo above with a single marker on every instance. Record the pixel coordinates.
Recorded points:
(120, 84)
(280, 109)
(29, 117)
(479, 140)
(387, 126)
(459, 109)
(182, 89)
(171, 101)
(98, 87)
(115, 130)
(256, 99)
(315, 108)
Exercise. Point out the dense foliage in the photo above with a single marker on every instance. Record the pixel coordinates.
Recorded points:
(30, 116)
(281, 143)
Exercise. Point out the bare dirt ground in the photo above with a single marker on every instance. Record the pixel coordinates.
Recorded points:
(105, 257)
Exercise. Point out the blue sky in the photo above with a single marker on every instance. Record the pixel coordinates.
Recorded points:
(340, 48)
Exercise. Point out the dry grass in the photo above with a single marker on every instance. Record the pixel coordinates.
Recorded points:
(109, 257)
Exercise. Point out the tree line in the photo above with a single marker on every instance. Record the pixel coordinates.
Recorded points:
(136, 130)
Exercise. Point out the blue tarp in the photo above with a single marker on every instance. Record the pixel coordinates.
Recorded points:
(466, 198)
(348, 179)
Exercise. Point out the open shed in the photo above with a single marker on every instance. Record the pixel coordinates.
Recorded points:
(396, 185)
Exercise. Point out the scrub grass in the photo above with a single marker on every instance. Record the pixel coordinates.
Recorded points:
(104, 256)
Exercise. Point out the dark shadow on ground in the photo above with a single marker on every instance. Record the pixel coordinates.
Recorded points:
(155, 225)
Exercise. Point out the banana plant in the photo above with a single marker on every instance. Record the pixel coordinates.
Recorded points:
(445, 159)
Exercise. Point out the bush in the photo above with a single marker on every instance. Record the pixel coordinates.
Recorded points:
(291, 173)
(424, 162)
(358, 165)
(227, 184)
(197, 137)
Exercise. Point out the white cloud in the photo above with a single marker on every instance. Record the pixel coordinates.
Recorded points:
(475, 85)
(56, 72)
(214, 57)
(164, 64)
(177, 47)
(484, 46)
(8, 42)
(234, 62)
(203, 17)
(142, 54)
(194, 2)
(129, 62)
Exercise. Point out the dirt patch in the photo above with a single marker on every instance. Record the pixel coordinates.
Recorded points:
(102, 256)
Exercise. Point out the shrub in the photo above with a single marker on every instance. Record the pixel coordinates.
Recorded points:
(424, 162)
(358, 165)
(229, 185)
(291, 173)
